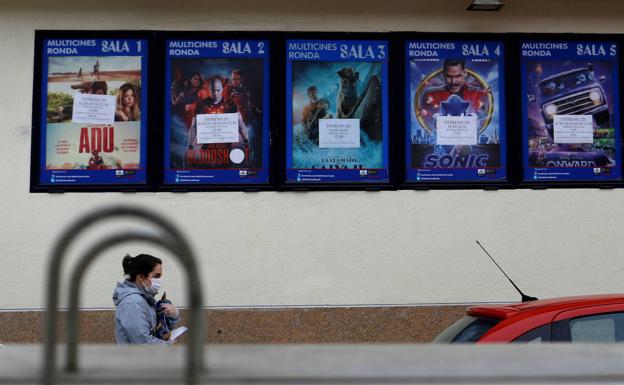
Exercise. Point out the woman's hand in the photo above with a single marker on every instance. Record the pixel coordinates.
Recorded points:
(170, 310)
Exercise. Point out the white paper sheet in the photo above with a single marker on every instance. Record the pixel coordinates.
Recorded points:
(217, 128)
(93, 109)
(456, 130)
(339, 133)
(177, 332)
(573, 128)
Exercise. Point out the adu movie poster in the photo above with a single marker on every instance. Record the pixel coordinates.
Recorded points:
(337, 114)
(455, 111)
(571, 122)
(216, 125)
(93, 111)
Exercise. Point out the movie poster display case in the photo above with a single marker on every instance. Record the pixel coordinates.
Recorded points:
(91, 111)
(250, 111)
(217, 109)
(338, 122)
(456, 126)
(570, 110)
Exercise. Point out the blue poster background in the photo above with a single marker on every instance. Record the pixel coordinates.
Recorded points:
(83, 51)
(210, 59)
(335, 68)
(570, 78)
(427, 90)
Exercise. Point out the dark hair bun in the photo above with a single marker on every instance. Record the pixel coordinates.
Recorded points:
(125, 263)
(140, 264)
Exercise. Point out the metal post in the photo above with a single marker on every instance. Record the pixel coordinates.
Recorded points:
(171, 239)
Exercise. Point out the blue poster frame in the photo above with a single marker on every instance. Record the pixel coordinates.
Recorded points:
(99, 44)
(548, 48)
(477, 47)
(212, 46)
(379, 47)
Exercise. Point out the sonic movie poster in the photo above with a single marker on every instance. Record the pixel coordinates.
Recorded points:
(93, 112)
(337, 120)
(455, 111)
(571, 122)
(216, 129)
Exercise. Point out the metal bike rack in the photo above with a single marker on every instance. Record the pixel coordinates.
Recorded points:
(166, 236)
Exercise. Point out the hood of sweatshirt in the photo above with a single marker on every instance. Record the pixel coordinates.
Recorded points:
(126, 288)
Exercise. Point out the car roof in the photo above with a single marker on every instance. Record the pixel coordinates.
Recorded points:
(554, 305)
(562, 74)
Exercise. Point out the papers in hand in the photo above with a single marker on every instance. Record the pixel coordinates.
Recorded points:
(177, 332)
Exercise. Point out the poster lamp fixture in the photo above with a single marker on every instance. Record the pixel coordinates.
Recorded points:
(485, 5)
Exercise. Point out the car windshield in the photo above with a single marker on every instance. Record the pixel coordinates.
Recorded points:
(558, 84)
(467, 329)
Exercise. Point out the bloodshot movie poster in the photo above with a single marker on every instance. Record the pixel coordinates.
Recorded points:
(216, 125)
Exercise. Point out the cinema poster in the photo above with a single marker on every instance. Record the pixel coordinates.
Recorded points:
(337, 111)
(93, 112)
(217, 112)
(571, 121)
(455, 111)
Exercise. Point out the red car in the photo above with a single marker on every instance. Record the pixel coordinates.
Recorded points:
(591, 318)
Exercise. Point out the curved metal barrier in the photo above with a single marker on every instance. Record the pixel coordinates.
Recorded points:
(166, 236)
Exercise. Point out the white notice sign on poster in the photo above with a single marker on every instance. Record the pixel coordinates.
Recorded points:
(217, 128)
(456, 130)
(339, 133)
(93, 109)
(573, 128)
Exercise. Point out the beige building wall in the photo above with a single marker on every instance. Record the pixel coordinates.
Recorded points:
(302, 250)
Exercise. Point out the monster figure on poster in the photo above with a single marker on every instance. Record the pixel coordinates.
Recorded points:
(454, 87)
(216, 86)
(71, 145)
(570, 88)
(336, 90)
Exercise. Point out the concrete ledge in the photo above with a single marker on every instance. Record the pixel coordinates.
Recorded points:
(333, 364)
(394, 324)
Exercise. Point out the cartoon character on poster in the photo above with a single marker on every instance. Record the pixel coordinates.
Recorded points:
(570, 88)
(455, 87)
(570, 116)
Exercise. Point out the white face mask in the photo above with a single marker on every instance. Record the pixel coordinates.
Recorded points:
(156, 284)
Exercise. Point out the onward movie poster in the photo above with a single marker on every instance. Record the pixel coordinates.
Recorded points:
(216, 112)
(337, 120)
(94, 109)
(455, 111)
(570, 99)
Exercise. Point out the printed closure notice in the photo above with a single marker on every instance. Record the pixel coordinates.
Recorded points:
(456, 130)
(573, 128)
(217, 128)
(339, 133)
(93, 109)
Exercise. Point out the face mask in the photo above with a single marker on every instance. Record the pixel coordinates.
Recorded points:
(156, 283)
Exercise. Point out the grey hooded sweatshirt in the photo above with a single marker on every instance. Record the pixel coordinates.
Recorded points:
(135, 315)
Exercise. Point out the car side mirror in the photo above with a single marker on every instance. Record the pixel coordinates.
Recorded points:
(602, 78)
(531, 98)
